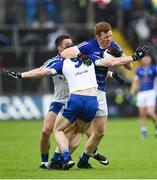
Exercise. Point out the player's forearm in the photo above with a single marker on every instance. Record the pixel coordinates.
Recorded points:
(36, 73)
(71, 52)
(129, 65)
(115, 61)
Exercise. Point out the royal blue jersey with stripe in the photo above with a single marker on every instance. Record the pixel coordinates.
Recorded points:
(146, 76)
(92, 47)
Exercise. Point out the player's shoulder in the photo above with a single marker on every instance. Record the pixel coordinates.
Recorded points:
(52, 61)
(82, 44)
(91, 42)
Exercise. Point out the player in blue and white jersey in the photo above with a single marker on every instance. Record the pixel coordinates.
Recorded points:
(61, 93)
(82, 102)
(143, 82)
(101, 42)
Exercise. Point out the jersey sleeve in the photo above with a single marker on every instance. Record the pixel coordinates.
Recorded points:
(95, 59)
(56, 68)
(114, 44)
(85, 48)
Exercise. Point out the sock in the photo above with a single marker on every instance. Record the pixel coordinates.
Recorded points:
(85, 157)
(66, 155)
(44, 157)
(144, 132)
(143, 129)
(94, 153)
(61, 160)
(56, 156)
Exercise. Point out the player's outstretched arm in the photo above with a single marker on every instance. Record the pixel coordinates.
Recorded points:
(117, 52)
(35, 73)
(140, 52)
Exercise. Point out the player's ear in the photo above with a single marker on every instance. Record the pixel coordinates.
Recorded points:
(97, 36)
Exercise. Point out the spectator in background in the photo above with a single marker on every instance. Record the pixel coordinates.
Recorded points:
(10, 12)
(106, 10)
(30, 8)
(146, 96)
(50, 10)
(126, 7)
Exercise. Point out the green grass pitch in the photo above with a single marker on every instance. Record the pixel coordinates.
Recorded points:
(130, 156)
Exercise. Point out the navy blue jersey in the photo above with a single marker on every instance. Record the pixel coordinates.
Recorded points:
(146, 76)
(92, 47)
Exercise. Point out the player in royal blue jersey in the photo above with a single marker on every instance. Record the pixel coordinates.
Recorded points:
(101, 42)
(82, 102)
(143, 82)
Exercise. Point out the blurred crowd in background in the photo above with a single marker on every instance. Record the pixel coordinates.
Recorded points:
(28, 29)
(136, 18)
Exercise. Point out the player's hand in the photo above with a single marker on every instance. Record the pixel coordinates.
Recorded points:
(12, 73)
(118, 78)
(140, 52)
(86, 60)
(115, 51)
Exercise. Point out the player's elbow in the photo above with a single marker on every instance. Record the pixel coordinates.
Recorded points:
(129, 66)
(41, 73)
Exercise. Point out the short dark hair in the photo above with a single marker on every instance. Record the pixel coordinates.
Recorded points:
(102, 27)
(59, 39)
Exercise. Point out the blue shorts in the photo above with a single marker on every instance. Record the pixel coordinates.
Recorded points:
(79, 106)
(56, 107)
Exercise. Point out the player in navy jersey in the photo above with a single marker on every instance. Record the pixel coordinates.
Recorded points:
(101, 42)
(82, 102)
(143, 82)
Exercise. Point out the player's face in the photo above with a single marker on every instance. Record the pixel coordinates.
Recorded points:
(65, 44)
(104, 39)
(146, 61)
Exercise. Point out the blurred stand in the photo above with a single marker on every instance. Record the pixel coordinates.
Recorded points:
(28, 29)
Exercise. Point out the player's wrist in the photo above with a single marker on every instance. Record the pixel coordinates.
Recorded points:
(135, 57)
(19, 75)
(79, 55)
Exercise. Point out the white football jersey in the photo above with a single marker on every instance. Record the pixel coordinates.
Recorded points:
(78, 75)
(61, 90)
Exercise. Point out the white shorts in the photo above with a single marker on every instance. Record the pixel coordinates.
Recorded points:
(102, 104)
(146, 98)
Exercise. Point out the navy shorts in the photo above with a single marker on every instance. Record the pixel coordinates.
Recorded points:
(56, 107)
(79, 106)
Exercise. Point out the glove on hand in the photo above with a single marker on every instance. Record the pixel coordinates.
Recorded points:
(86, 60)
(118, 78)
(115, 51)
(140, 52)
(12, 73)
